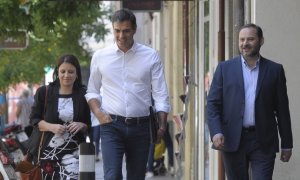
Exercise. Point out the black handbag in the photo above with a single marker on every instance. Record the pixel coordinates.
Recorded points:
(154, 126)
(34, 144)
(30, 167)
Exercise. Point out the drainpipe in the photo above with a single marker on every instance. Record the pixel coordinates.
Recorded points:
(186, 36)
(221, 33)
(221, 57)
(238, 22)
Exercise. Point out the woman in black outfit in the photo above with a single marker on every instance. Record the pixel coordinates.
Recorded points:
(65, 122)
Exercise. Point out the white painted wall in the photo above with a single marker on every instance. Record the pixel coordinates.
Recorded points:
(280, 23)
(143, 34)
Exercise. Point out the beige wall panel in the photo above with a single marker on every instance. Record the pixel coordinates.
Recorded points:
(280, 23)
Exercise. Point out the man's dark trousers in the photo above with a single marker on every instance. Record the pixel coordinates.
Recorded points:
(119, 138)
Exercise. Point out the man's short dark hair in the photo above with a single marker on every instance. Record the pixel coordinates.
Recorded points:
(259, 31)
(124, 15)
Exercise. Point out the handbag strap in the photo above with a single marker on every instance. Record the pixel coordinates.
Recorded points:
(42, 136)
(40, 146)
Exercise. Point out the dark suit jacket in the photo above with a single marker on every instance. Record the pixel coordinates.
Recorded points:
(226, 105)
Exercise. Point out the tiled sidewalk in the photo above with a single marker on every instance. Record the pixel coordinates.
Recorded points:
(99, 173)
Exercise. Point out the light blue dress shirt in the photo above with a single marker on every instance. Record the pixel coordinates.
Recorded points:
(250, 75)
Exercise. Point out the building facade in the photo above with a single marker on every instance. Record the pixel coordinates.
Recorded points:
(193, 36)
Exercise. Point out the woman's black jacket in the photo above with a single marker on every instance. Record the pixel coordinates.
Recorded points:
(51, 92)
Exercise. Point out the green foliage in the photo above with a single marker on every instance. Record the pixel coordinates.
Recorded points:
(13, 17)
(54, 27)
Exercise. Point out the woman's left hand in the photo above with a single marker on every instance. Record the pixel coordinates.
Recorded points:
(75, 127)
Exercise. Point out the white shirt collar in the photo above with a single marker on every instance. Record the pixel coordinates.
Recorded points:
(132, 49)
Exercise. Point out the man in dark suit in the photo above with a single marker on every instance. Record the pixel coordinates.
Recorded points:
(246, 107)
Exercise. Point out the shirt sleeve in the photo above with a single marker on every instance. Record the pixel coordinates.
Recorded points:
(94, 84)
(159, 86)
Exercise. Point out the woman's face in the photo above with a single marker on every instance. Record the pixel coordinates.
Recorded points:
(67, 74)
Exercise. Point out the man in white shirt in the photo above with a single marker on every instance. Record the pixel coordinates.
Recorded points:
(128, 73)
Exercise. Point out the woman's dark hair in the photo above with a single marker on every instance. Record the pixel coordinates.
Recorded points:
(68, 58)
(259, 31)
(124, 15)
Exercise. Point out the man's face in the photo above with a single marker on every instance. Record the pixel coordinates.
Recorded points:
(249, 43)
(123, 34)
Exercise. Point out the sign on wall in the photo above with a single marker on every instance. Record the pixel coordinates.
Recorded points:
(142, 5)
(17, 40)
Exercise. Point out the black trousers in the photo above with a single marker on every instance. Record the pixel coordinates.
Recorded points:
(249, 160)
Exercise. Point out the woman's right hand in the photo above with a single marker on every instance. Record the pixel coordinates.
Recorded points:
(54, 128)
(58, 128)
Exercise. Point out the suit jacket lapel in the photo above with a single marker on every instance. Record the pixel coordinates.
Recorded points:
(239, 72)
(261, 74)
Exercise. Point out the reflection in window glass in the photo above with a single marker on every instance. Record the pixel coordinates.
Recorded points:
(206, 78)
(206, 8)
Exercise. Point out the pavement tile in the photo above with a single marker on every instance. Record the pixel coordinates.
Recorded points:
(99, 173)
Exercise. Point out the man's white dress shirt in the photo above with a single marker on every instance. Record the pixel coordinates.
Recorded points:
(126, 80)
